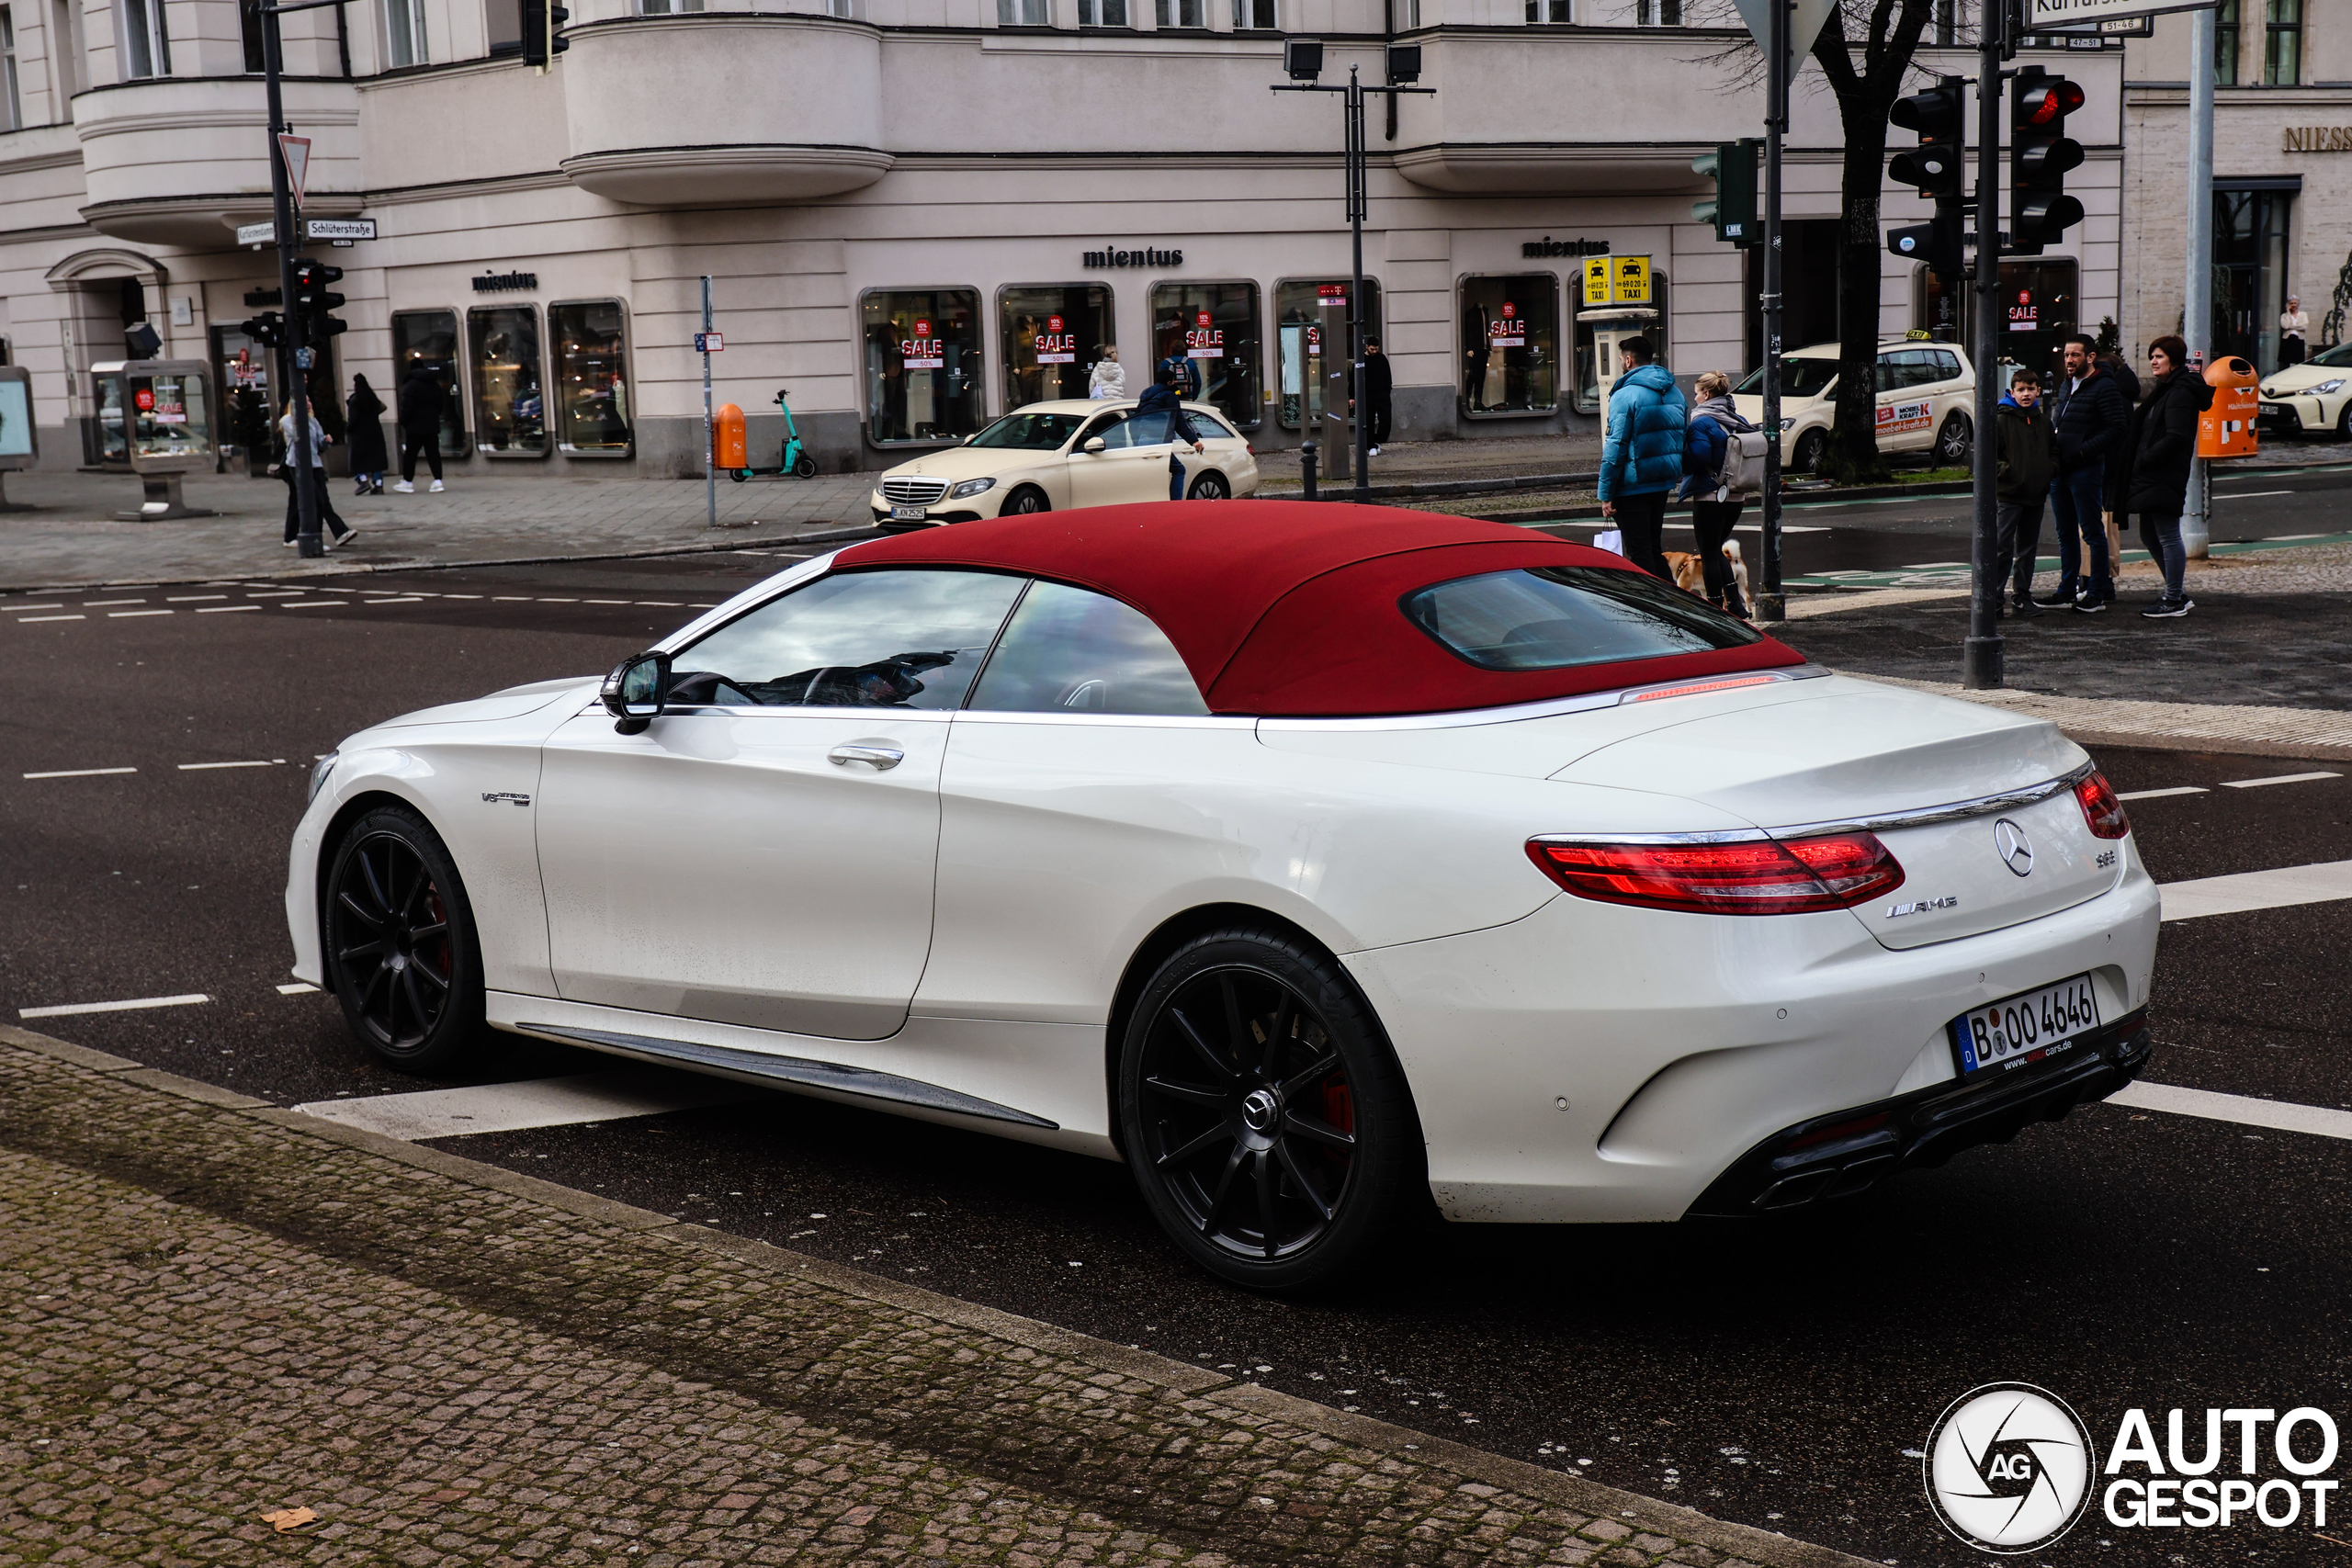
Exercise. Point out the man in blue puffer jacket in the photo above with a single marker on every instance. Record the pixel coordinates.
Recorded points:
(1641, 459)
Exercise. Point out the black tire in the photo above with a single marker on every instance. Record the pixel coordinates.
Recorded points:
(739, 474)
(1265, 1117)
(804, 467)
(1023, 501)
(1810, 449)
(1955, 441)
(1210, 487)
(2342, 422)
(401, 952)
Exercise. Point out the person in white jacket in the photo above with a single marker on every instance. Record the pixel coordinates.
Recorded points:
(1109, 378)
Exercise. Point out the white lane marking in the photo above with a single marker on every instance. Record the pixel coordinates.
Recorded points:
(124, 614)
(2250, 494)
(79, 772)
(189, 1000)
(2248, 890)
(196, 767)
(512, 599)
(102, 604)
(401, 600)
(559, 600)
(2282, 778)
(604, 601)
(36, 620)
(702, 606)
(12, 608)
(2246, 1111)
(664, 603)
(226, 609)
(298, 988)
(462, 596)
(192, 598)
(2160, 794)
(316, 604)
(542, 1102)
(278, 593)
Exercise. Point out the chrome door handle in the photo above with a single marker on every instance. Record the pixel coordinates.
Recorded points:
(882, 759)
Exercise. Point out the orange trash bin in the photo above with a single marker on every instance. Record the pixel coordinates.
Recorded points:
(2227, 429)
(728, 449)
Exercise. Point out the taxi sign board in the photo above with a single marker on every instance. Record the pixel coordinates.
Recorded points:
(1629, 280)
(1596, 280)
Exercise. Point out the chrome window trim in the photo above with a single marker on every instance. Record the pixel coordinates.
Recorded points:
(1721, 836)
(1466, 719)
(783, 710)
(1123, 720)
(1958, 811)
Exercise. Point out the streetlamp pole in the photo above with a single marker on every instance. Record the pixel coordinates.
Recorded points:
(298, 353)
(1771, 605)
(2195, 521)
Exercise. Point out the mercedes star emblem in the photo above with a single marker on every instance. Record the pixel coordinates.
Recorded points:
(2015, 848)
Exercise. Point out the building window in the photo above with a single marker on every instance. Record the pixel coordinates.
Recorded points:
(1053, 335)
(1209, 330)
(677, 8)
(1311, 344)
(249, 26)
(505, 21)
(1945, 29)
(146, 51)
(1102, 14)
(16, 104)
(1548, 12)
(1658, 14)
(425, 343)
(922, 365)
(510, 406)
(404, 33)
(2282, 43)
(2250, 283)
(1258, 15)
(593, 408)
(1510, 345)
(2225, 43)
(1181, 13)
(1025, 13)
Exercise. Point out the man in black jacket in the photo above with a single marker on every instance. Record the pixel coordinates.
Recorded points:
(420, 416)
(2089, 416)
(1378, 389)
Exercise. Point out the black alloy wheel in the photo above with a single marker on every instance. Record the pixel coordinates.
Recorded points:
(401, 952)
(1211, 487)
(1025, 501)
(1265, 1117)
(1955, 442)
(1811, 448)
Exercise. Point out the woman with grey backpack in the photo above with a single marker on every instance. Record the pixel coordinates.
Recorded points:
(1714, 504)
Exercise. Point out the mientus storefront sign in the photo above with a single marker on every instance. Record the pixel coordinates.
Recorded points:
(1147, 256)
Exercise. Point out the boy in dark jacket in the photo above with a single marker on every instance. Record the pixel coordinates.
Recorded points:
(2029, 460)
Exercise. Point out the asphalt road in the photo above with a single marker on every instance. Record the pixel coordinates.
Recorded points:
(1783, 1373)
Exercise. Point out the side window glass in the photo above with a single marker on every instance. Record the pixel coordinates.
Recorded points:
(1886, 373)
(1141, 430)
(1071, 651)
(1947, 366)
(1107, 428)
(1918, 368)
(886, 640)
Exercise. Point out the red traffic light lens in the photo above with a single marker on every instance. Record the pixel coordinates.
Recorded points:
(2051, 101)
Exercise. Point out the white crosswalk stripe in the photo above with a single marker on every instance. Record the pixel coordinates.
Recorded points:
(543, 1102)
(2250, 890)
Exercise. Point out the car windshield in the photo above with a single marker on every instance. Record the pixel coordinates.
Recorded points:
(1799, 377)
(2338, 358)
(1558, 616)
(1030, 432)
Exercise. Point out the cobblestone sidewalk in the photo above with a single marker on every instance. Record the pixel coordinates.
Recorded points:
(212, 1310)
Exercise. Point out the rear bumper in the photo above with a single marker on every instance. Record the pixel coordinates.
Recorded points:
(1851, 1151)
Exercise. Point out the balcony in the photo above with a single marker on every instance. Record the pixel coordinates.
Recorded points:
(182, 161)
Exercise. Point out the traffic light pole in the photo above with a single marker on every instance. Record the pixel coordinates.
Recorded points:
(281, 210)
(1981, 655)
(1771, 605)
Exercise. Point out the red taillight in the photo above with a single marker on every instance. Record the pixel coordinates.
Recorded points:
(2100, 808)
(1747, 876)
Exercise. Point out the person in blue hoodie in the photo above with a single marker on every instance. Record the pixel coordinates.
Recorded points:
(1161, 401)
(1641, 458)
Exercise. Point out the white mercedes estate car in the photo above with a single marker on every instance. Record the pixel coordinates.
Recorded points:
(1055, 455)
(1315, 861)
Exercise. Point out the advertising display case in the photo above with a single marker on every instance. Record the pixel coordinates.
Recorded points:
(167, 420)
(19, 441)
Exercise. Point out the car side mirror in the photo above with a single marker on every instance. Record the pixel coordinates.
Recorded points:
(1096, 445)
(633, 693)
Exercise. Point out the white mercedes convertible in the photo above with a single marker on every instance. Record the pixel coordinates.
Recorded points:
(1307, 857)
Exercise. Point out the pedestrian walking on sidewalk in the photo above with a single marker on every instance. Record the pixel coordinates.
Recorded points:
(1379, 389)
(420, 402)
(2089, 416)
(2164, 439)
(302, 466)
(1641, 456)
(1715, 510)
(1108, 379)
(2027, 461)
(2294, 326)
(363, 413)
(1161, 399)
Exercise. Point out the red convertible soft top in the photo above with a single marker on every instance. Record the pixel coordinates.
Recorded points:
(1290, 608)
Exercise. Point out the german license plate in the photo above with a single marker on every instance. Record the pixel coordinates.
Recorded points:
(909, 514)
(2273, 410)
(2019, 1031)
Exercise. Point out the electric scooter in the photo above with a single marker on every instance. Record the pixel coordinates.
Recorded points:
(795, 459)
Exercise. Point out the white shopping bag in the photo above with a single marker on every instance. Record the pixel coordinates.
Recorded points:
(1610, 539)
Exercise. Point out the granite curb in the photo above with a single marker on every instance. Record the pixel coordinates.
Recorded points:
(91, 1110)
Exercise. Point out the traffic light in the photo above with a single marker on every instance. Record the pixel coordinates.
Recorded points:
(543, 37)
(2039, 155)
(1937, 168)
(313, 299)
(1732, 210)
(268, 329)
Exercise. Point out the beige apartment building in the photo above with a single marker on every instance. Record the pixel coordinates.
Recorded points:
(2282, 175)
(917, 214)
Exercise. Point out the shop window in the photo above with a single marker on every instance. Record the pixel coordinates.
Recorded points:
(1510, 345)
(2225, 43)
(922, 365)
(1256, 15)
(146, 49)
(1053, 335)
(505, 20)
(1181, 13)
(2282, 44)
(16, 104)
(2039, 302)
(245, 370)
(404, 33)
(510, 403)
(427, 341)
(1025, 13)
(1102, 14)
(1311, 343)
(1210, 332)
(593, 410)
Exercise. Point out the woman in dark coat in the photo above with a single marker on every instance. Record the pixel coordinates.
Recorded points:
(2162, 438)
(365, 413)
